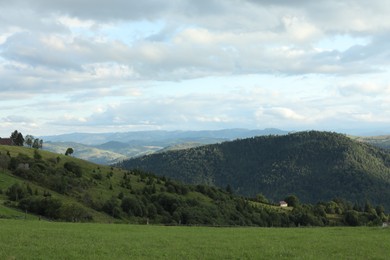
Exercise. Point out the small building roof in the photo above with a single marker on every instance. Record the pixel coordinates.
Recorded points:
(6, 141)
(283, 203)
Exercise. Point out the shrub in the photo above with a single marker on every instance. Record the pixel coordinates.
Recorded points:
(74, 212)
(351, 218)
(4, 161)
(45, 206)
(16, 192)
(37, 155)
(132, 206)
(74, 168)
(112, 208)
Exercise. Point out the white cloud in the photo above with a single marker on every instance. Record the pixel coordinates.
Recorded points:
(286, 113)
(72, 54)
(365, 89)
(300, 30)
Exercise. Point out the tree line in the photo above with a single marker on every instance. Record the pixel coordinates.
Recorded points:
(29, 140)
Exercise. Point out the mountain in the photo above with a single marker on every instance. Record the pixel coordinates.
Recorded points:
(181, 146)
(86, 152)
(159, 137)
(315, 166)
(109, 148)
(382, 141)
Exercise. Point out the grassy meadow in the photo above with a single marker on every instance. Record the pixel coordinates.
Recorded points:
(26, 239)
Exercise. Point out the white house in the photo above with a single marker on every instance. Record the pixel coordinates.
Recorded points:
(283, 204)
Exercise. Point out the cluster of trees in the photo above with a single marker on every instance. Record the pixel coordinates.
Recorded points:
(43, 204)
(169, 205)
(60, 177)
(335, 212)
(33, 142)
(313, 165)
(165, 201)
(29, 140)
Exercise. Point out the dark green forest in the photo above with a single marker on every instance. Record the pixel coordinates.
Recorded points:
(315, 166)
(63, 188)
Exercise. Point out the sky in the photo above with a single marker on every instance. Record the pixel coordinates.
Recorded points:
(122, 65)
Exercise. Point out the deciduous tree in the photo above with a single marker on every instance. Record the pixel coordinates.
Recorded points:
(69, 151)
(29, 140)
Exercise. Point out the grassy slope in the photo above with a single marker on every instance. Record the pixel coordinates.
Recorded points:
(99, 191)
(6, 180)
(45, 240)
(6, 212)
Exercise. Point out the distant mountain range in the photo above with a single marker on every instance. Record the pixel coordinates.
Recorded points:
(313, 165)
(382, 141)
(160, 137)
(108, 148)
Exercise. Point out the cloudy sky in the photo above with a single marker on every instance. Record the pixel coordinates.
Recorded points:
(123, 65)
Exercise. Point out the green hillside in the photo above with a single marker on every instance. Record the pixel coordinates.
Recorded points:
(315, 166)
(62, 188)
(40, 184)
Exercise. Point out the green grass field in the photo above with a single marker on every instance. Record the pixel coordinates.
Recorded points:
(24, 239)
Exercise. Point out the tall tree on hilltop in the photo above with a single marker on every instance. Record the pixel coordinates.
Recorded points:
(29, 140)
(14, 135)
(36, 143)
(17, 138)
(69, 151)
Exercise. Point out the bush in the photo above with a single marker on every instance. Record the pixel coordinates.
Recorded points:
(74, 212)
(74, 168)
(37, 155)
(45, 206)
(132, 206)
(97, 176)
(292, 201)
(16, 192)
(351, 218)
(4, 161)
(112, 208)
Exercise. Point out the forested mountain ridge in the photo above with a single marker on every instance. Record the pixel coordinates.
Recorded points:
(313, 165)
